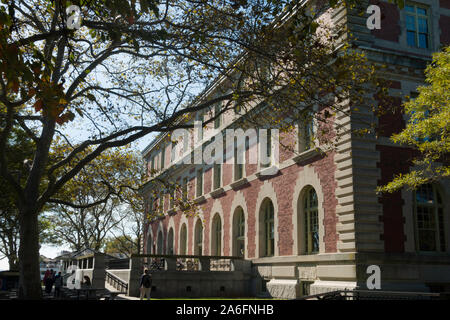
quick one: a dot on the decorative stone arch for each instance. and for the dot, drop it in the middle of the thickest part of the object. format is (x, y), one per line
(160, 238)
(238, 201)
(443, 188)
(170, 226)
(183, 221)
(306, 178)
(198, 219)
(266, 192)
(216, 210)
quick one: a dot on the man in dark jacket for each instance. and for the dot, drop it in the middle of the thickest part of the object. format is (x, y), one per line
(146, 285)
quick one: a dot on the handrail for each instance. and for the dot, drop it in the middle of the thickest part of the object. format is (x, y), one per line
(367, 294)
(116, 280)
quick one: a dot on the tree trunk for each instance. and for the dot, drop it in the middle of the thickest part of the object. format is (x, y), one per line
(30, 279)
(13, 263)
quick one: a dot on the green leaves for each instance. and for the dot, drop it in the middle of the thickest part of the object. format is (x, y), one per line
(428, 127)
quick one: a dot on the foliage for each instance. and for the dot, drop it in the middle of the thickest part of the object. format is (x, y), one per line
(107, 185)
(428, 127)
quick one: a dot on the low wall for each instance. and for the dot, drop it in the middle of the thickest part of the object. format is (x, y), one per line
(197, 284)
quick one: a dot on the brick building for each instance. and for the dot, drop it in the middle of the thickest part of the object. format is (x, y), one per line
(317, 223)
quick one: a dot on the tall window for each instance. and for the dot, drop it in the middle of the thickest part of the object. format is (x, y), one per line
(163, 156)
(170, 242)
(268, 243)
(152, 168)
(199, 182)
(239, 232)
(216, 236)
(268, 143)
(429, 214)
(218, 116)
(417, 26)
(198, 238)
(183, 239)
(238, 163)
(311, 221)
(200, 119)
(306, 133)
(217, 175)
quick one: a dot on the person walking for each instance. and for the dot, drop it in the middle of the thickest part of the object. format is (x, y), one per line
(58, 284)
(49, 282)
(146, 285)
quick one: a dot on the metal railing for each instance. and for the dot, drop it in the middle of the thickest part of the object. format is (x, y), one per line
(161, 262)
(376, 295)
(116, 282)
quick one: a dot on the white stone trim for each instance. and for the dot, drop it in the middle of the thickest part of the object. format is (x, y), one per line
(150, 234)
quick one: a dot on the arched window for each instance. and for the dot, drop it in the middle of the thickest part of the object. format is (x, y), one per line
(267, 227)
(149, 243)
(239, 232)
(429, 217)
(160, 242)
(311, 221)
(170, 242)
(216, 244)
(183, 239)
(198, 238)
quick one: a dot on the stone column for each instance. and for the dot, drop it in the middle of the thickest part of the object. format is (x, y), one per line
(205, 264)
(98, 272)
(134, 277)
(170, 264)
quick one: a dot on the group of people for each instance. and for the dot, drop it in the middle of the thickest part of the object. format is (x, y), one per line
(52, 278)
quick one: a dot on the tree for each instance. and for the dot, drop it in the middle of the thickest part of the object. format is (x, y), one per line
(121, 244)
(428, 128)
(135, 68)
(85, 226)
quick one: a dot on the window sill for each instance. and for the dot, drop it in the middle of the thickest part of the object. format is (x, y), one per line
(199, 199)
(267, 172)
(239, 183)
(307, 155)
(216, 193)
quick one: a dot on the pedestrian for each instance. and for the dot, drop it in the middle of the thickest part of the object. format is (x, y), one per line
(49, 282)
(58, 284)
(46, 275)
(146, 285)
(87, 282)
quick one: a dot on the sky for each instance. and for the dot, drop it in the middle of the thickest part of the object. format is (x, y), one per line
(48, 251)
